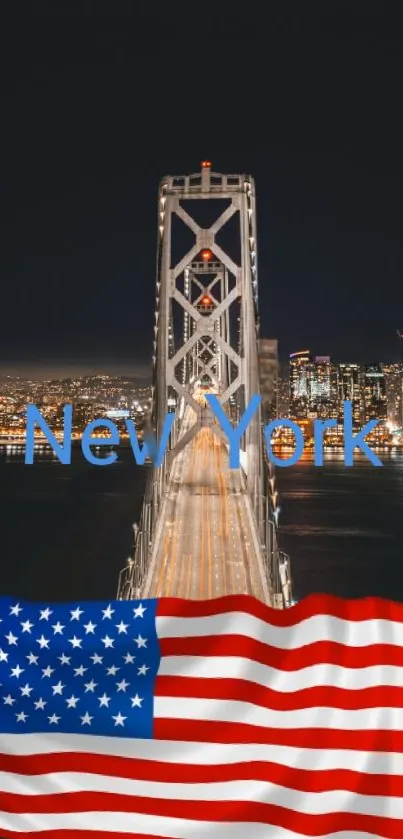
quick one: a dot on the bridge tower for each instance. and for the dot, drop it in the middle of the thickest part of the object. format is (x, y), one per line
(207, 331)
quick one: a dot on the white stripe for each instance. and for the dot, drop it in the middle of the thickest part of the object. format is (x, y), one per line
(258, 792)
(222, 710)
(309, 631)
(170, 828)
(204, 754)
(228, 667)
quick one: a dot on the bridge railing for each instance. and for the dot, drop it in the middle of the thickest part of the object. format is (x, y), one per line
(132, 576)
(278, 563)
(280, 579)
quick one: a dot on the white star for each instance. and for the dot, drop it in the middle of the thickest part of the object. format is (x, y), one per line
(8, 700)
(86, 719)
(142, 670)
(54, 720)
(119, 720)
(40, 704)
(21, 717)
(141, 642)
(43, 642)
(79, 671)
(107, 613)
(16, 671)
(75, 642)
(58, 689)
(96, 659)
(26, 690)
(104, 701)
(122, 685)
(12, 639)
(32, 659)
(3, 655)
(111, 671)
(136, 701)
(139, 611)
(89, 627)
(64, 659)
(47, 671)
(15, 610)
(108, 642)
(75, 614)
(58, 628)
(26, 626)
(128, 658)
(90, 686)
(45, 614)
(72, 702)
(121, 627)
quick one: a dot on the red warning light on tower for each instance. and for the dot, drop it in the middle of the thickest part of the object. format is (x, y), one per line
(206, 164)
(206, 255)
(206, 300)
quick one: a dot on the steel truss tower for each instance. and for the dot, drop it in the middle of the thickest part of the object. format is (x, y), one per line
(207, 327)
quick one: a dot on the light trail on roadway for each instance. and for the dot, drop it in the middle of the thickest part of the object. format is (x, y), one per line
(207, 547)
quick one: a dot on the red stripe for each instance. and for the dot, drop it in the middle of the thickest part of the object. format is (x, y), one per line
(320, 652)
(305, 738)
(241, 690)
(78, 834)
(304, 780)
(366, 608)
(204, 812)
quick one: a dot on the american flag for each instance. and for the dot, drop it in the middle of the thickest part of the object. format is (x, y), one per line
(223, 719)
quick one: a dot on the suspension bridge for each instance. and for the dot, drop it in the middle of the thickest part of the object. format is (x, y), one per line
(207, 530)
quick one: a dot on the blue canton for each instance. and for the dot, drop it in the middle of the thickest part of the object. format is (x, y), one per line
(85, 668)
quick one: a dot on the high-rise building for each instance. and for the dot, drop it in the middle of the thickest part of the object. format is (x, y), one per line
(313, 387)
(349, 390)
(283, 393)
(374, 394)
(299, 394)
(394, 393)
(268, 376)
(319, 387)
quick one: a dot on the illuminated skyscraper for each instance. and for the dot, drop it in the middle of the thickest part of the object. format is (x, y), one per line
(349, 390)
(319, 387)
(313, 387)
(374, 392)
(394, 392)
(299, 394)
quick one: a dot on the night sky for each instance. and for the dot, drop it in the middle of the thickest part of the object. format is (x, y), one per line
(95, 109)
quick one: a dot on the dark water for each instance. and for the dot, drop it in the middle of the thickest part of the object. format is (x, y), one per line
(66, 530)
(343, 527)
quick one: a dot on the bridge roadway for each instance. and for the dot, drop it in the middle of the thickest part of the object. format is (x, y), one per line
(206, 545)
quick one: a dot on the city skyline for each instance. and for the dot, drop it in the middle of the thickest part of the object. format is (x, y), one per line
(310, 387)
(65, 370)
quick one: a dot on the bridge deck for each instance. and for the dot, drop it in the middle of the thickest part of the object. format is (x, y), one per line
(207, 546)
